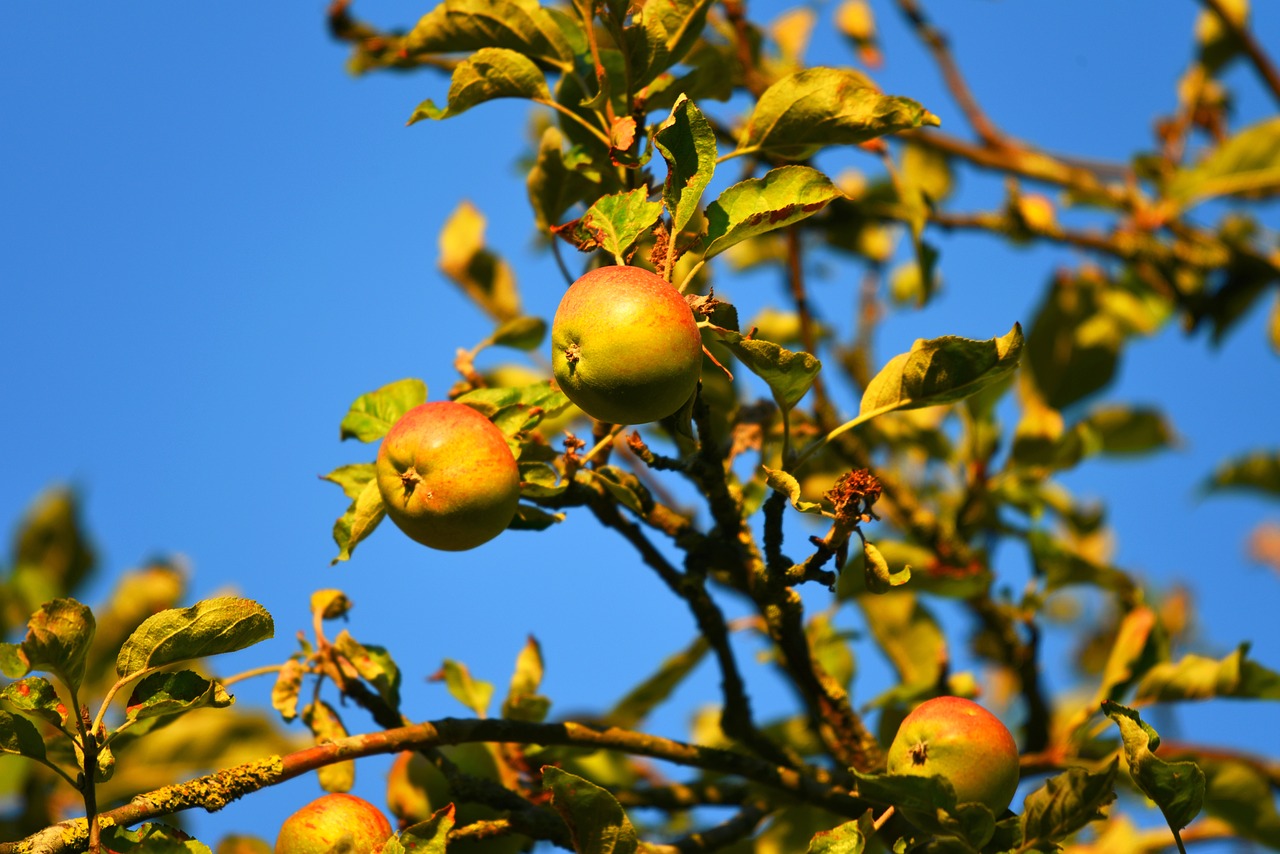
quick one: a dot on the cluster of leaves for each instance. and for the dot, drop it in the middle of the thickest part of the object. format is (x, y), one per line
(622, 90)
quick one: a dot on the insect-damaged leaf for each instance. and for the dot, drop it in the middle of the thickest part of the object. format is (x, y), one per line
(940, 370)
(789, 374)
(1176, 787)
(374, 413)
(781, 197)
(613, 223)
(489, 74)
(57, 641)
(209, 627)
(688, 144)
(817, 107)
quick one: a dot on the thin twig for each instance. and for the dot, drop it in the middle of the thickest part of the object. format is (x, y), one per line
(1261, 62)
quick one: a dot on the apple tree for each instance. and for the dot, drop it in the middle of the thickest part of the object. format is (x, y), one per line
(773, 460)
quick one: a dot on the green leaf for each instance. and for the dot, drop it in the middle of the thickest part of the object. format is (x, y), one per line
(330, 604)
(52, 554)
(35, 696)
(688, 144)
(1258, 471)
(466, 25)
(360, 520)
(373, 414)
(520, 333)
(325, 725)
(879, 578)
(166, 694)
(817, 107)
(755, 206)
(1178, 788)
(490, 73)
(613, 223)
(374, 664)
(430, 836)
(597, 823)
(540, 480)
(1125, 430)
(1196, 677)
(1248, 163)
(634, 708)
(482, 275)
(151, 838)
(788, 374)
(209, 627)
(352, 478)
(790, 487)
(20, 737)
(940, 370)
(58, 638)
(472, 693)
(1065, 804)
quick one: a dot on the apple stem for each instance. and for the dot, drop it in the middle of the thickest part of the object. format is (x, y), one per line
(883, 819)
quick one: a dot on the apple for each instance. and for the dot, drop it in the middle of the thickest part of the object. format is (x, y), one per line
(447, 477)
(963, 742)
(334, 823)
(625, 346)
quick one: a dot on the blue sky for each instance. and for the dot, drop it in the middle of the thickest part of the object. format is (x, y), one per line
(214, 239)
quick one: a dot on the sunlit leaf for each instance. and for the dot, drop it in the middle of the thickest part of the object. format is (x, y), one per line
(1195, 677)
(374, 664)
(287, 687)
(558, 180)
(467, 25)
(151, 838)
(360, 520)
(173, 693)
(523, 701)
(427, 837)
(482, 275)
(879, 578)
(35, 696)
(688, 144)
(847, 838)
(1177, 787)
(520, 333)
(373, 414)
(209, 627)
(941, 370)
(818, 107)
(472, 693)
(1247, 163)
(58, 638)
(790, 487)
(326, 725)
(352, 478)
(788, 374)
(613, 223)
(755, 206)
(488, 74)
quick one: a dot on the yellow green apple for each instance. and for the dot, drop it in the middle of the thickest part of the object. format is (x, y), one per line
(334, 823)
(447, 477)
(625, 346)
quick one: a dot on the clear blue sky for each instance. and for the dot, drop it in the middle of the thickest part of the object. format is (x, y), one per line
(214, 239)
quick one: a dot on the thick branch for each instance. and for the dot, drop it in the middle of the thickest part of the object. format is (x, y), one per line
(214, 791)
